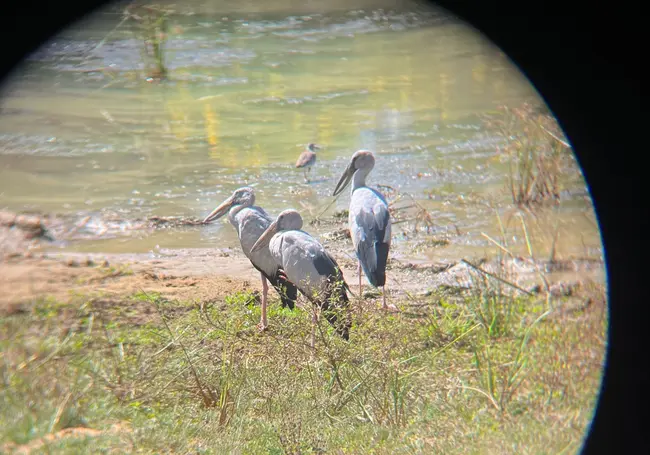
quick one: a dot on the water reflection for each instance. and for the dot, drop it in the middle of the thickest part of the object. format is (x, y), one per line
(247, 91)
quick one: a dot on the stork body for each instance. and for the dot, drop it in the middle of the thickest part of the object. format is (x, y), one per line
(313, 270)
(307, 159)
(250, 222)
(369, 221)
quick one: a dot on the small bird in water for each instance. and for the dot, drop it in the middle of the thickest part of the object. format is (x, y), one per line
(307, 159)
(369, 220)
(250, 222)
(310, 267)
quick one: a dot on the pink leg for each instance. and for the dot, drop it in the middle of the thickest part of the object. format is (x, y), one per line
(314, 321)
(359, 271)
(265, 290)
(385, 306)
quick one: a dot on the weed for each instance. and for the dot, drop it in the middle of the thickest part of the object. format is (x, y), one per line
(152, 23)
(204, 379)
(535, 152)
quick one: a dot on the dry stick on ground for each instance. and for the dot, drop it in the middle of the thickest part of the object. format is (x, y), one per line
(530, 252)
(208, 400)
(238, 335)
(161, 350)
(328, 206)
(59, 412)
(491, 275)
(532, 258)
(54, 352)
(564, 143)
(554, 244)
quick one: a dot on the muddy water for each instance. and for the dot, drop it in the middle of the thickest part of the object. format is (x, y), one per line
(83, 133)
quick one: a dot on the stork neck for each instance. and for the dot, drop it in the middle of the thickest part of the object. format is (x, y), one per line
(359, 178)
(232, 214)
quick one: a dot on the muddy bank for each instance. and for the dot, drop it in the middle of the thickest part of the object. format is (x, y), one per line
(28, 270)
(206, 275)
(32, 230)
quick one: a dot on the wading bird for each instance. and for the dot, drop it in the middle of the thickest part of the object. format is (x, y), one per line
(314, 271)
(307, 159)
(250, 222)
(369, 221)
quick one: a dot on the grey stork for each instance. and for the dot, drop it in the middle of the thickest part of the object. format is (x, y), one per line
(313, 270)
(250, 222)
(369, 221)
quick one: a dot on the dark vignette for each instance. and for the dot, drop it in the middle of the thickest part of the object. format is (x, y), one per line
(585, 59)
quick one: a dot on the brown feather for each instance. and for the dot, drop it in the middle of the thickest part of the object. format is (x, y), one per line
(306, 158)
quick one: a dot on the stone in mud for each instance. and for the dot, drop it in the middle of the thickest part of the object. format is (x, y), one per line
(339, 234)
(564, 289)
(7, 219)
(31, 225)
(371, 294)
(72, 263)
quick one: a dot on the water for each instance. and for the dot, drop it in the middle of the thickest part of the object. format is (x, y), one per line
(82, 132)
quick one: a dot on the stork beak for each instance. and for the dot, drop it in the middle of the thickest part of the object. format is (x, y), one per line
(219, 211)
(345, 179)
(266, 237)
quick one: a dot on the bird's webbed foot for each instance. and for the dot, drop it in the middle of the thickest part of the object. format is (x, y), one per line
(390, 308)
(261, 327)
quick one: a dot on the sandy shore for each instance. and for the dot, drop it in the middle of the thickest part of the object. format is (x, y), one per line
(28, 273)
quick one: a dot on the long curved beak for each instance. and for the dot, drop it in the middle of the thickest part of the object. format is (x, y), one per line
(219, 211)
(344, 180)
(266, 237)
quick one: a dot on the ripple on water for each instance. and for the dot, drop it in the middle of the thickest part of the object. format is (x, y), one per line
(36, 145)
(141, 159)
(125, 55)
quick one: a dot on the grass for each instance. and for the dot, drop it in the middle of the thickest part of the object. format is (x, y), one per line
(482, 371)
(536, 153)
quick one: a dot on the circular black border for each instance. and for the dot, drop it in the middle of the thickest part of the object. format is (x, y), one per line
(585, 59)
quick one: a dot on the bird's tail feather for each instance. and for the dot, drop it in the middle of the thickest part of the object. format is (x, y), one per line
(286, 289)
(375, 269)
(336, 305)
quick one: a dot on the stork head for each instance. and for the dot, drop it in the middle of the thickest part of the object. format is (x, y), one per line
(312, 147)
(288, 220)
(361, 160)
(243, 196)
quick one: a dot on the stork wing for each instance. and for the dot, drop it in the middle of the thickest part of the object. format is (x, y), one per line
(372, 232)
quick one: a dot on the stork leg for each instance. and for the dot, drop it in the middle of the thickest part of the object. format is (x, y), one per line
(314, 321)
(359, 271)
(305, 174)
(265, 291)
(385, 306)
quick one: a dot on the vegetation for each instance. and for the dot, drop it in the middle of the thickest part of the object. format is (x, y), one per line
(486, 370)
(535, 152)
(151, 25)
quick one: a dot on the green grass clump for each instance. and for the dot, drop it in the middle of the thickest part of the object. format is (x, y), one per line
(537, 154)
(201, 378)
